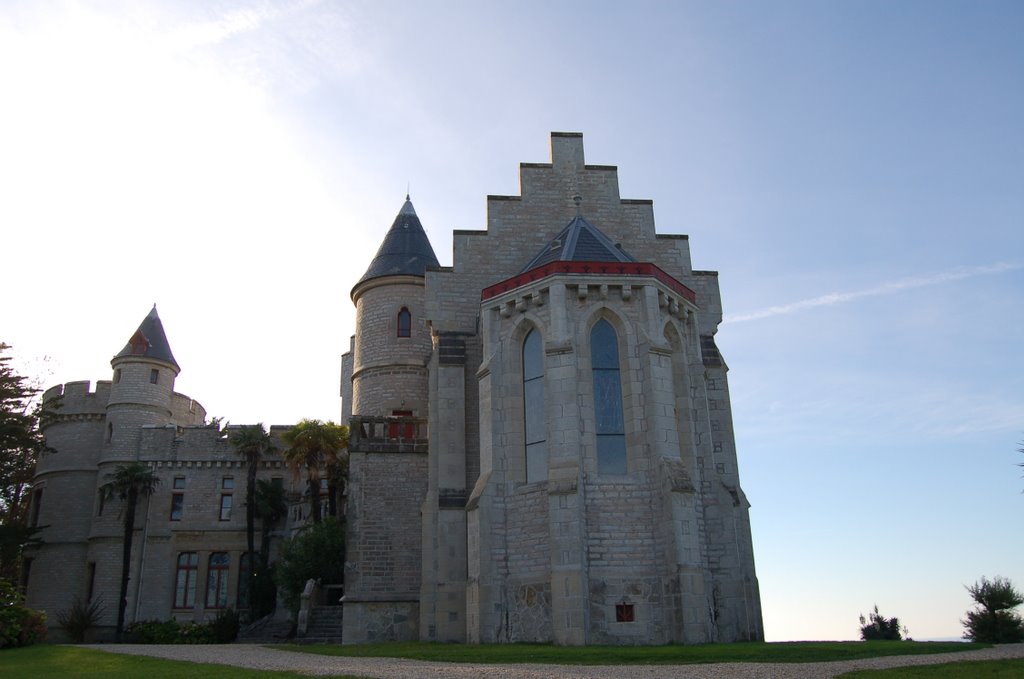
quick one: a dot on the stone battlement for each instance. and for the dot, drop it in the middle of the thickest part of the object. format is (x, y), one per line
(78, 397)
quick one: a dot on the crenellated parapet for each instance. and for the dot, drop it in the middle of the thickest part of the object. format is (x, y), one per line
(78, 398)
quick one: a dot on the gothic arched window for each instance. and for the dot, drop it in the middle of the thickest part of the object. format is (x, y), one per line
(535, 427)
(611, 433)
(404, 323)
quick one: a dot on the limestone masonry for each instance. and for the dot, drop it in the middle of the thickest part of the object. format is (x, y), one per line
(541, 443)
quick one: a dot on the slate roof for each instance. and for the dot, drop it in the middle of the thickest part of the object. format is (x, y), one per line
(579, 241)
(406, 250)
(150, 341)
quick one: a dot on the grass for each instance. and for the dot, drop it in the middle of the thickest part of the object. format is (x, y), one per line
(982, 669)
(45, 661)
(787, 652)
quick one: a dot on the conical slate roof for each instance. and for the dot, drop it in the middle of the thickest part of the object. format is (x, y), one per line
(406, 251)
(579, 241)
(150, 341)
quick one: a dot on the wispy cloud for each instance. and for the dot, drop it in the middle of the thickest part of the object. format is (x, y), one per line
(889, 288)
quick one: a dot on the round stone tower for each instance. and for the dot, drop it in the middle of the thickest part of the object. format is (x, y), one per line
(141, 390)
(392, 342)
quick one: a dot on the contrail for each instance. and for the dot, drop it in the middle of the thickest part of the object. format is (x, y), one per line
(883, 289)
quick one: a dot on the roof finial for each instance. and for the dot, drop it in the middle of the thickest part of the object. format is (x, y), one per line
(578, 200)
(407, 190)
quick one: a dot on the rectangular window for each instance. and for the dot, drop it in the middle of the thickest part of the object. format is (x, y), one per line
(179, 483)
(154, 376)
(400, 431)
(225, 507)
(217, 580)
(624, 613)
(37, 501)
(91, 575)
(227, 483)
(177, 506)
(117, 375)
(185, 580)
(277, 482)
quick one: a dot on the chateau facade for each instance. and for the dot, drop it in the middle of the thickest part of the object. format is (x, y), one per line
(541, 443)
(541, 435)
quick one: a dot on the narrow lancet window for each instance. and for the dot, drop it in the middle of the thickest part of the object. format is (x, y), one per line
(404, 323)
(611, 434)
(533, 407)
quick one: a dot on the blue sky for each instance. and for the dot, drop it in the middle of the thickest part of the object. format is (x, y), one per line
(855, 171)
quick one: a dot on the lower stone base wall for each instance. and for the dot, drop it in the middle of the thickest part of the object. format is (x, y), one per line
(376, 621)
(530, 613)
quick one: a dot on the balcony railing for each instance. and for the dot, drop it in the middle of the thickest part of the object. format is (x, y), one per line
(388, 435)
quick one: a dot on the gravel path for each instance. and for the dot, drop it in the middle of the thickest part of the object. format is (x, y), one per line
(260, 657)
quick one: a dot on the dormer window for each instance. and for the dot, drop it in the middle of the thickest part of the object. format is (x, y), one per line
(404, 323)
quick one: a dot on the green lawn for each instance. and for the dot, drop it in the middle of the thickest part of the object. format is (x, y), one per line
(61, 662)
(788, 652)
(985, 669)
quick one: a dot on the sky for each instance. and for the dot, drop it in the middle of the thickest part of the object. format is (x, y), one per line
(854, 170)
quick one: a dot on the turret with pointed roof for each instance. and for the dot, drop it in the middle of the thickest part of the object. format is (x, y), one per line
(150, 341)
(406, 250)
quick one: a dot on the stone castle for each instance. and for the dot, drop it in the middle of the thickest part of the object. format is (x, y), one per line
(541, 444)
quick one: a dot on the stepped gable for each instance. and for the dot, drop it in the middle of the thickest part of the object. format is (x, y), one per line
(579, 241)
(406, 250)
(150, 341)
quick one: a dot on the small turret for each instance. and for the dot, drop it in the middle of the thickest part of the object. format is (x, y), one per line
(141, 389)
(393, 344)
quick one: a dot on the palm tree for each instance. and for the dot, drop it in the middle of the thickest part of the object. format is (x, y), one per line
(128, 482)
(251, 442)
(315, 447)
(271, 508)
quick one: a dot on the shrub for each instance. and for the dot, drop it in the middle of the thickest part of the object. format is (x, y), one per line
(80, 618)
(19, 625)
(879, 628)
(153, 632)
(225, 626)
(994, 621)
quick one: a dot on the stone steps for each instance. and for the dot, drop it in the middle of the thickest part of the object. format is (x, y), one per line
(325, 626)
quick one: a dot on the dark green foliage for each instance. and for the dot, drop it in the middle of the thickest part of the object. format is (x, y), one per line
(21, 443)
(318, 553)
(80, 618)
(225, 626)
(994, 621)
(221, 630)
(19, 625)
(878, 628)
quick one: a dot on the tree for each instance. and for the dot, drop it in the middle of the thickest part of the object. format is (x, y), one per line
(21, 442)
(271, 508)
(316, 447)
(879, 628)
(994, 621)
(128, 483)
(317, 552)
(251, 442)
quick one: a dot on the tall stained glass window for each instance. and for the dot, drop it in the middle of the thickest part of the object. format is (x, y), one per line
(611, 432)
(533, 407)
(217, 580)
(185, 580)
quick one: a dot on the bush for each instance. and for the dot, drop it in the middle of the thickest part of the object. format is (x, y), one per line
(225, 626)
(19, 625)
(879, 628)
(318, 552)
(221, 630)
(153, 632)
(80, 618)
(994, 621)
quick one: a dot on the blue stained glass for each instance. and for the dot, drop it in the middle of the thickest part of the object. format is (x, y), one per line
(533, 408)
(608, 415)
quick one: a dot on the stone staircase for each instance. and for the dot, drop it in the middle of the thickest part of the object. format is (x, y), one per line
(266, 631)
(324, 626)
